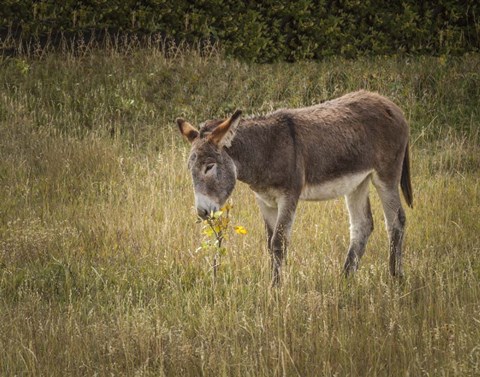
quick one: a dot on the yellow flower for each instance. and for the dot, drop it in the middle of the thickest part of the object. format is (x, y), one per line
(240, 229)
(226, 207)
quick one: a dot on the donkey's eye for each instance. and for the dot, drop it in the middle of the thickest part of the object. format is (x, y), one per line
(209, 167)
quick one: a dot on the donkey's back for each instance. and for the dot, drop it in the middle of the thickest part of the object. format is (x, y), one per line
(357, 133)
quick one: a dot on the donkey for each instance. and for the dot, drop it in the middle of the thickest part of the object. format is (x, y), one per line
(313, 153)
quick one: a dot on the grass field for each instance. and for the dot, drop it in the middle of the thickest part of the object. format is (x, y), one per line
(99, 273)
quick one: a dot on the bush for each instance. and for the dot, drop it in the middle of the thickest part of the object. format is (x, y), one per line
(265, 31)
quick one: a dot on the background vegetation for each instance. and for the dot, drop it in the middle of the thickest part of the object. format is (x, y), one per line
(99, 268)
(262, 31)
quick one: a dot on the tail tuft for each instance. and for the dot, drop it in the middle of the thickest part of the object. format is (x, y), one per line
(405, 182)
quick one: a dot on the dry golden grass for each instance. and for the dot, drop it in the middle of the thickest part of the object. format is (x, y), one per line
(98, 269)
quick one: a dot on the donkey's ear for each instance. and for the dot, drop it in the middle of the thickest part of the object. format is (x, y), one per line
(187, 130)
(224, 133)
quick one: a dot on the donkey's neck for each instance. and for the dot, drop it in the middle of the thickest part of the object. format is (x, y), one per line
(252, 151)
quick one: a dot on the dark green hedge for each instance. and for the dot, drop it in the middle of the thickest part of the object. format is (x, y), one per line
(267, 30)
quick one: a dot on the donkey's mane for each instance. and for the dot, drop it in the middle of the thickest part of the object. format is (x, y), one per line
(207, 127)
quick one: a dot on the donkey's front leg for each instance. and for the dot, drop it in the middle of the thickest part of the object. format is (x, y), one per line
(270, 214)
(287, 206)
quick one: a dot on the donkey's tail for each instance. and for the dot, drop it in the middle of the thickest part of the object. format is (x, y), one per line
(405, 182)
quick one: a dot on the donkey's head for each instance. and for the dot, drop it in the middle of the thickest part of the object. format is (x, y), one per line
(213, 171)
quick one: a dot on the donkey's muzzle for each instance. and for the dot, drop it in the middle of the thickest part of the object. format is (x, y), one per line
(205, 205)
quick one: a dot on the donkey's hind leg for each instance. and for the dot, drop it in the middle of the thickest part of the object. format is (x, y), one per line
(395, 222)
(361, 224)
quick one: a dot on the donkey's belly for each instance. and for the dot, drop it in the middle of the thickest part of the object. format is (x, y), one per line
(336, 187)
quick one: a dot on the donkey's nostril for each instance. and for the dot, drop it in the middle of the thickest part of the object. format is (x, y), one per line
(203, 213)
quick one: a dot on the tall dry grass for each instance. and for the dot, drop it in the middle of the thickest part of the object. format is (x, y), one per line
(99, 273)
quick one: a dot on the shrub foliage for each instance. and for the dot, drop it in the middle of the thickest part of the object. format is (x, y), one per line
(268, 30)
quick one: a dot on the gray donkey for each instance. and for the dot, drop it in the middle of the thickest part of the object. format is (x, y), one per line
(312, 153)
